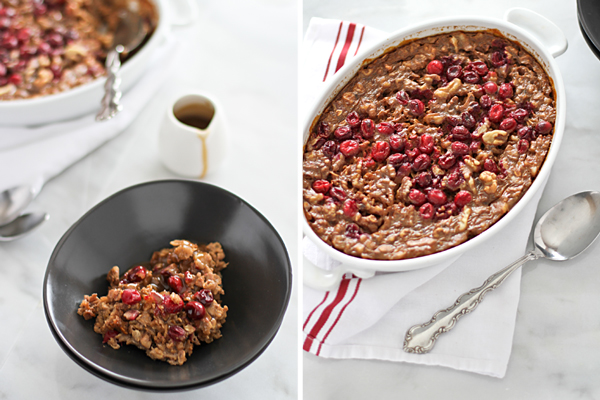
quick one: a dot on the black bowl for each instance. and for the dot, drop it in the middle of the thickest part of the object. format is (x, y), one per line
(124, 230)
(588, 15)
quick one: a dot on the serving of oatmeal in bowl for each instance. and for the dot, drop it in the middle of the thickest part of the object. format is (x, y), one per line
(428, 144)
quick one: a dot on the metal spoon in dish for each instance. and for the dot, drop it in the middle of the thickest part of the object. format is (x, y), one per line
(129, 34)
(16, 199)
(21, 226)
(562, 233)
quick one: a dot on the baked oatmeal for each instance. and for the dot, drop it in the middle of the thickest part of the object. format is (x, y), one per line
(166, 306)
(427, 145)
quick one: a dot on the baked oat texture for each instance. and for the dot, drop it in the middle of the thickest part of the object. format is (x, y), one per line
(177, 304)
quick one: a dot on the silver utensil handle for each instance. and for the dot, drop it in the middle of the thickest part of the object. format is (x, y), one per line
(110, 104)
(420, 339)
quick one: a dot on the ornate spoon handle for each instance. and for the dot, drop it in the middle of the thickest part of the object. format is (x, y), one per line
(421, 338)
(112, 92)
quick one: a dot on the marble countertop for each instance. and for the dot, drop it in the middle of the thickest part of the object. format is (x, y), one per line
(245, 54)
(556, 348)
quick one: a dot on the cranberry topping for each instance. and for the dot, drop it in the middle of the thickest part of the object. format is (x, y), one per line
(396, 159)
(323, 129)
(453, 72)
(490, 165)
(417, 197)
(349, 148)
(343, 132)
(194, 310)
(353, 119)
(426, 143)
(321, 186)
(204, 296)
(170, 306)
(424, 179)
(455, 179)
(505, 91)
(137, 274)
(468, 120)
(459, 148)
(470, 77)
(498, 59)
(490, 87)
(330, 148)
(508, 124)
(367, 128)
(426, 211)
(437, 197)
(460, 133)
(177, 333)
(353, 231)
(523, 146)
(520, 114)
(130, 296)
(380, 151)
(447, 160)
(175, 283)
(131, 315)
(479, 67)
(338, 194)
(385, 127)
(422, 162)
(526, 132)
(416, 107)
(462, 198)
(543, 127)
(402, 97)
(108, 335)
(435, 67)
(485, 101)
(350, 208)
(397, 142)
(496, 113)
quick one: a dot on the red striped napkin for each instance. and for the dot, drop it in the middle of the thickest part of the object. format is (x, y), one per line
(368, 318)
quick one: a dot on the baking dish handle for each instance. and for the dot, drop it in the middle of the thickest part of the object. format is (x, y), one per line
(320, 279)
(540, 27)
(183, 12)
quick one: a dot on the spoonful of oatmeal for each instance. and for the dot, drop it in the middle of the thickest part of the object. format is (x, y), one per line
(563, 232)
(129, 34)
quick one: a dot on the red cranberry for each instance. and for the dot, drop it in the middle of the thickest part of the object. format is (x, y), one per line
(137, 274)
(343, 132)
(460, 133)
(475, 146)
(508, 124)
(523, 146)
(177, 333)
(350, 208)
(353, 119)
(402, 97)
(188, 277)
(108, 335)
(397, 142)
(437, 197)
(426, 143)
(385, 127)
(496, 113)
(520, 114)
(460, 149)
(426, 211)
(403, 170)
(490, 165)
(194, 310)
(23, 35)
(453, 120)
(3, 70)
(485, 101)
(396, 159)
(416, 107)
(323, 129)
(462, 198)
(424, 179)
(39, 9)
(352, 231)
(455, 179)
(468, 120)
(380, 151)
(412, 154)
(453, 72)
(505, 91)
(447, 160)
(470, 77)
(543, 127)
(446, 211)
(175, 283)
(321, 186)
(349, 148)
(525, 132)
(422, 162)
(204, 296)
(490, 87)
(435, 67)
(498, 59)
(367, 128)
(131, 315)
(479, 67)
(10, 42)
(337, 193)
(172, 307)
(130, 296)
(330, 148)
(417, 197)
(55, 40)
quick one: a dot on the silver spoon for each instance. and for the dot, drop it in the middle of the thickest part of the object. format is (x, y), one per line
(14, 200)
(562, 233)
(21, 226)
(129, 34)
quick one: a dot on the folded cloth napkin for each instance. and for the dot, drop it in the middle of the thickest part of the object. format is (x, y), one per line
(368, 318)
(30, 155)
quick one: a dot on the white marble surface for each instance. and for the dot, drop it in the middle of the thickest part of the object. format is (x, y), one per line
(245, 53)
(556, 349)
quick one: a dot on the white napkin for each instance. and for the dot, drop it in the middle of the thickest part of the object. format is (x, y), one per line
(368, 318)
(31, 155)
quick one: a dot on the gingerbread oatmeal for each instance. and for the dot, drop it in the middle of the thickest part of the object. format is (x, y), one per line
(164, 307)
(49, 46)
(427, 146)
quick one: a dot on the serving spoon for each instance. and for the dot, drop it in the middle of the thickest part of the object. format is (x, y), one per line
(129, 34)
(21, 226)
(563, 232)
(14, 200)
